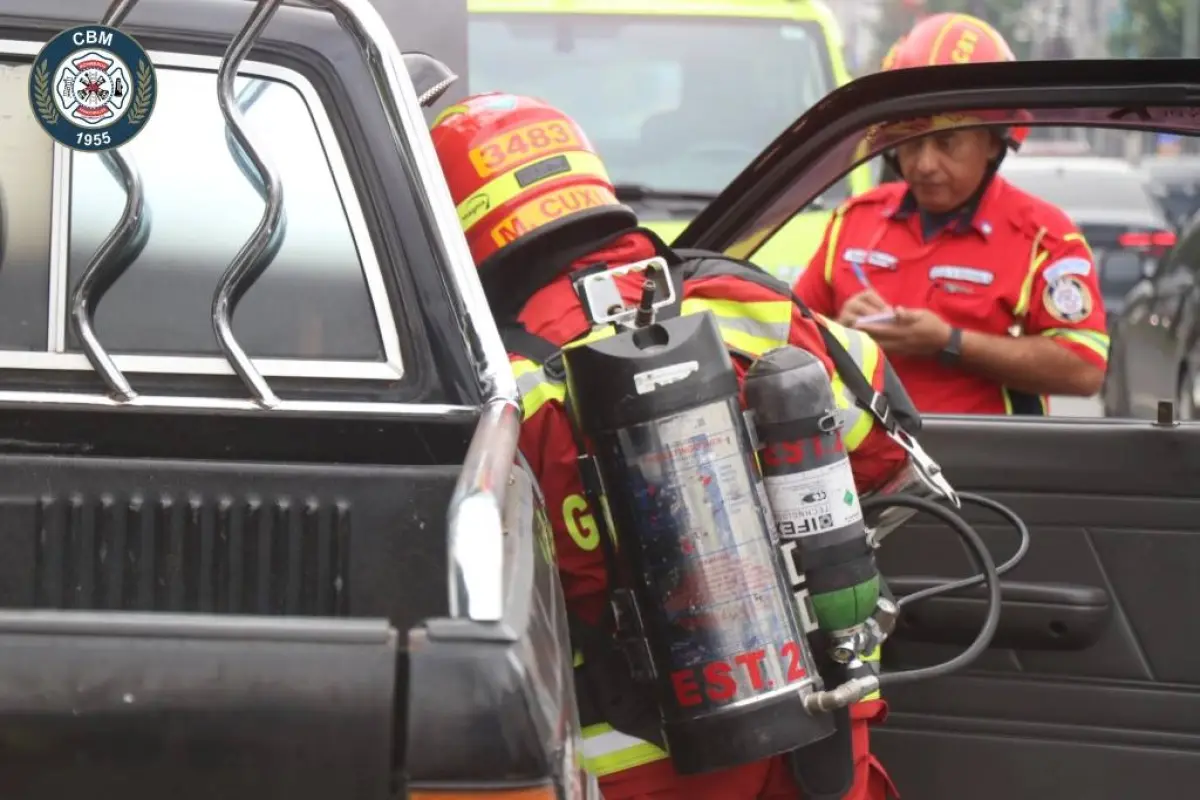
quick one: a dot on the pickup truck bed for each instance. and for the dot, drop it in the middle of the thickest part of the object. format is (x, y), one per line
(104, 517)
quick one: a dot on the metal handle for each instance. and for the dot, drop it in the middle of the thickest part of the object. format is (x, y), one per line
(119, 249)
(256, 254)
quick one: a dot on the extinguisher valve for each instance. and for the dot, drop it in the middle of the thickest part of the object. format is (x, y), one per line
(849, 692)
(644, 317)
(883, 621)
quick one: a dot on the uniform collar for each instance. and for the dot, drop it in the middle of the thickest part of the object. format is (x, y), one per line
(975, 215)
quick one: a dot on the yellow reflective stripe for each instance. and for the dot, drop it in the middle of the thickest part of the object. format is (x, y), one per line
(534, 388)
(751, 328)
(577, 661)
(1078, 237)
(1008, 406)
(504, 188)
(835, 230)
(1095, 341)
(1022, 306)
(606, 751)
(865, 352)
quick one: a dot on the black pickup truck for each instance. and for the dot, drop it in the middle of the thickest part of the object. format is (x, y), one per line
(298, 558)
(264, 532)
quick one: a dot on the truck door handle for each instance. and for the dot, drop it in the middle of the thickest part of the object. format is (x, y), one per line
(1035, 616)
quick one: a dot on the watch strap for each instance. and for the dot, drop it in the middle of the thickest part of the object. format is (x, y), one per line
(952, 352)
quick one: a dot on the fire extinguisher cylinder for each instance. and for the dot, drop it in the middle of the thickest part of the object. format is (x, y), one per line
(811, 490)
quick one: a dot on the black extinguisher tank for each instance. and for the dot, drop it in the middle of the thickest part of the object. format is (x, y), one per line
(696, 542)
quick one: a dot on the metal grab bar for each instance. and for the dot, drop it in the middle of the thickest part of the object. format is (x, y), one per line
(255, 256)
(254, 89)
(114, 255)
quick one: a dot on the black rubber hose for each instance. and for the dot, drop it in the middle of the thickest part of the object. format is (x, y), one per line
(978, 578)
(987, 566)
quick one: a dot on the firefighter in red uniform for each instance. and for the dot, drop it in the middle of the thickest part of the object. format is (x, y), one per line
(985, 298)
(537, 206)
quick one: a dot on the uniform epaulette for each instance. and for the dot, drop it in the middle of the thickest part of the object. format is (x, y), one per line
(1038, 217)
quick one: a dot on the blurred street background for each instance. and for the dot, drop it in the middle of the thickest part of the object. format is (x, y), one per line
(644, 79)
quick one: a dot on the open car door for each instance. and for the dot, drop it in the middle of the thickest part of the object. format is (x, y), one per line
(1092, 686)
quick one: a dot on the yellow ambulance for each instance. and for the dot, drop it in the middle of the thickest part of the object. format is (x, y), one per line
(678, 96)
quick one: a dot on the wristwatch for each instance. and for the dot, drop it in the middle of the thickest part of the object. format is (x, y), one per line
(953, 349)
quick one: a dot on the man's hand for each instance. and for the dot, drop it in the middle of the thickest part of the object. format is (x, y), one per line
(864, 303)
(913, 332)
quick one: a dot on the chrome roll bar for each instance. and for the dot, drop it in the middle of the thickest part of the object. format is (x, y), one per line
(475, 535)
(114, 255)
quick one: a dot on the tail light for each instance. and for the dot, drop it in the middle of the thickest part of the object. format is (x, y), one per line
(1155, 243)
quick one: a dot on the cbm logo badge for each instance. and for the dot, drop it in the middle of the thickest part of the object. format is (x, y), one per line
(92, 88)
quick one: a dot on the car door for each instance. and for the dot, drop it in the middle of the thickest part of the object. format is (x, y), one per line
(1091, 688)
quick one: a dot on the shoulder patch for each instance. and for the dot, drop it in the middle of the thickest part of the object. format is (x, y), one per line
(1073, 265)
(1068, 299)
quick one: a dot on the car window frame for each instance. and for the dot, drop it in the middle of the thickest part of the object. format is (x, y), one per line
(55, 358)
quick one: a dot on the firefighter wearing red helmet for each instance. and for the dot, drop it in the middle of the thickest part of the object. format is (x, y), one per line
(538, 209)
(985, 298)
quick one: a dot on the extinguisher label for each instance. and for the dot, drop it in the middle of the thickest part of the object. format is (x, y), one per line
(723, 614)
(814, 501)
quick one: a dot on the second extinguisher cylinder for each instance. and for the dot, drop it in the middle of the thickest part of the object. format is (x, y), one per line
(810, 486)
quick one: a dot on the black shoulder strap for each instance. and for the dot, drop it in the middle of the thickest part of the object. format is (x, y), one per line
(543, 352)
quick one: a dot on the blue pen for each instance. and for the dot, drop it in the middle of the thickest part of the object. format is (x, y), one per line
(861, 274)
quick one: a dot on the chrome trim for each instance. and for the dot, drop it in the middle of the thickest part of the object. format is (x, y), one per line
(390, 369)
(476, 516)
(476, 508)
(60, 249)
(440, 412)
(256, 254)
(204, 365)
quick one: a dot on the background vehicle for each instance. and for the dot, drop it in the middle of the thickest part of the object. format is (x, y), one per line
(1111, 203)
(1158, 353)
(1175, 182)
(677, 95)
(310, 572)
(1091, 688)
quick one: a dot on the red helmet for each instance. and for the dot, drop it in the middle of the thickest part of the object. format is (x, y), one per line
(516, 165)
(956, 39)
(889, 59)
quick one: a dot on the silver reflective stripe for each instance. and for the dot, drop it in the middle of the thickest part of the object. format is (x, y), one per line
(528, 381)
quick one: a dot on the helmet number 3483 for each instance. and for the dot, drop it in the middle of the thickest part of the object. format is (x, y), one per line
(92, 88)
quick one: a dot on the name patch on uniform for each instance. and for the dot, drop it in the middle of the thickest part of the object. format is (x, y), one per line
(965, 274)
(1068, 299)
(1067, 266)
(876, 258)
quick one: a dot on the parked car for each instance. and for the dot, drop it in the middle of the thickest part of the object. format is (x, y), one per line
(1175, 183)
(1157, 356)
(1112, 204)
